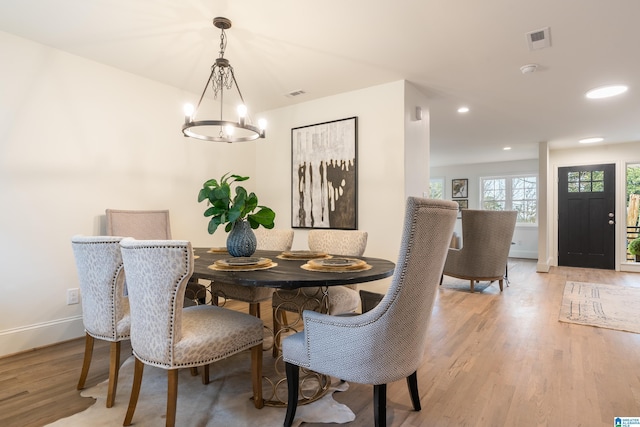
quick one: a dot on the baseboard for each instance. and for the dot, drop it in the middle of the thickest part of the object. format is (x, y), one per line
(514, 253)
(25, 338)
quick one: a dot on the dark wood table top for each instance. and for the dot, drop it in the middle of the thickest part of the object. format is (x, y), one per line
(288, 274)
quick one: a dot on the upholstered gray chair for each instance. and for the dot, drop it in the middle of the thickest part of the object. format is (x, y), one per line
(105, 307)
(342, 299)
(388, 342)
(269, 240)
(486, 241)
(150, 225)
(165, 335)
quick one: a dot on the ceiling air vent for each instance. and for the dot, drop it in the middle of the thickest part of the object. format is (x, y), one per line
(295, 93)
(539, 39)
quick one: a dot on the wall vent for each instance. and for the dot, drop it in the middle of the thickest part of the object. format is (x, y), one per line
(295, 93)
(539, 39)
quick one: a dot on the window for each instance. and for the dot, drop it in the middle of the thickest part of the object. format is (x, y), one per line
(436, 188)
(519, 193)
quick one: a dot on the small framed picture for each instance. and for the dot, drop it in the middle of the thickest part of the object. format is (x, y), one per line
(463, 204)
(459, 188)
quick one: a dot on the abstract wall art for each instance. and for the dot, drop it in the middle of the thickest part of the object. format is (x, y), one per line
(324, 175)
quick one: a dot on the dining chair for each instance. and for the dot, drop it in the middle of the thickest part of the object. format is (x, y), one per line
(149, 225)
(168, 336)
(269, 240)
(388, 342)
(342, 299)
(486, 241)
(105, 307)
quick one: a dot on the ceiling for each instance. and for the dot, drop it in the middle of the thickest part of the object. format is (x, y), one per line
(457, 52)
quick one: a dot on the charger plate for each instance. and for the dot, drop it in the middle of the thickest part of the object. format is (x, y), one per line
(243, 264)
(221, 250)
(303, 255)
(336, 265)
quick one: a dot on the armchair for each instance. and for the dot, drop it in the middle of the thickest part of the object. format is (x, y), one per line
(486, 240)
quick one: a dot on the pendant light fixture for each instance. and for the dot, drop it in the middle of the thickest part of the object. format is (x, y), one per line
(221, 79)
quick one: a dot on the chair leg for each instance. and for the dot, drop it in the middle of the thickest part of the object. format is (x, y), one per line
(194, 371)
(254, 309)
(293, 376)
(88, 353)
(473, 283)
(441, 277)
(256, 375)
(501, 282)
(276, 336)
(380, 405)
(172, 397)
(205, 374)
(412, 382)
(138, 370)
(114, 368)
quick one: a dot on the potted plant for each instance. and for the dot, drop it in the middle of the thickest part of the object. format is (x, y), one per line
(634, 248)
(236, 211)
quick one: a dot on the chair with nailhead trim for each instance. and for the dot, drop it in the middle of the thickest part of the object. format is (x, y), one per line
(105, 307)
(169, 336)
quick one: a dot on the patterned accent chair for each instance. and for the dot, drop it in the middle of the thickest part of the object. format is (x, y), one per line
(388, 342)
(486, 241)
(150, 225)
(342, 299)
(269, 240)
(105, 307)
(166, 335)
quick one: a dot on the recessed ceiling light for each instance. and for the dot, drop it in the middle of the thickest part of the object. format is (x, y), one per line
(507, 148)
(463, 110)
(591, 140)
(606, 91)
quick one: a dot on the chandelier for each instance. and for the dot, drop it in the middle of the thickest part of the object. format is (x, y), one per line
(222, 78)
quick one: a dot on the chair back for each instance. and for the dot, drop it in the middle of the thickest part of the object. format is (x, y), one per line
(403, 314)
(338, 242)
(157, 274)
(274, 239)
(386, 343)
(486, 241)
(105, 308)
(141, 224)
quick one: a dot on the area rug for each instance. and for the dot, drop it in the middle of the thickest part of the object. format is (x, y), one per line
(601, 305)
(225, 401)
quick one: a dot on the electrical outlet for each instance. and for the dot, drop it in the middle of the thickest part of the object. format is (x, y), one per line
(73, 296)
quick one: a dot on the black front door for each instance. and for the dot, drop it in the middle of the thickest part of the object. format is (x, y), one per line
(586, 216)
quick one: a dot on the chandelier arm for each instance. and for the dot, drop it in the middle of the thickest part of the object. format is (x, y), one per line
(203, 92)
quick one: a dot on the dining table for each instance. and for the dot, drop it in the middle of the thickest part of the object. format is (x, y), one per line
(277, 270)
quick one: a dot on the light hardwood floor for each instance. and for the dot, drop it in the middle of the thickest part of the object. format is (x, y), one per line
(493, 359)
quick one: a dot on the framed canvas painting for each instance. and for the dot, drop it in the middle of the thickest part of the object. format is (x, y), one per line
(459, 188)
(324, 175)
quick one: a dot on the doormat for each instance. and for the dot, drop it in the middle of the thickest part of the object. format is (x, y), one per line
(601, 305)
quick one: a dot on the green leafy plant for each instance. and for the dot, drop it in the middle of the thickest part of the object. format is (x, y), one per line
(223, 209)
(634, 246)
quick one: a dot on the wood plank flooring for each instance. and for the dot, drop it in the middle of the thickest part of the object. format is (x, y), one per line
(494, 359)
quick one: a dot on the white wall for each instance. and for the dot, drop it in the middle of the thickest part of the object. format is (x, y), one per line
(618, 154)
(380, 151)
(77, 137)
(524, 236)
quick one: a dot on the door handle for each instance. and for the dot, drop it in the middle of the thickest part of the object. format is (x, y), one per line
(611, 222)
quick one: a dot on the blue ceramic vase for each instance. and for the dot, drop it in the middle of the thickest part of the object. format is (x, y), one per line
(241, 240)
